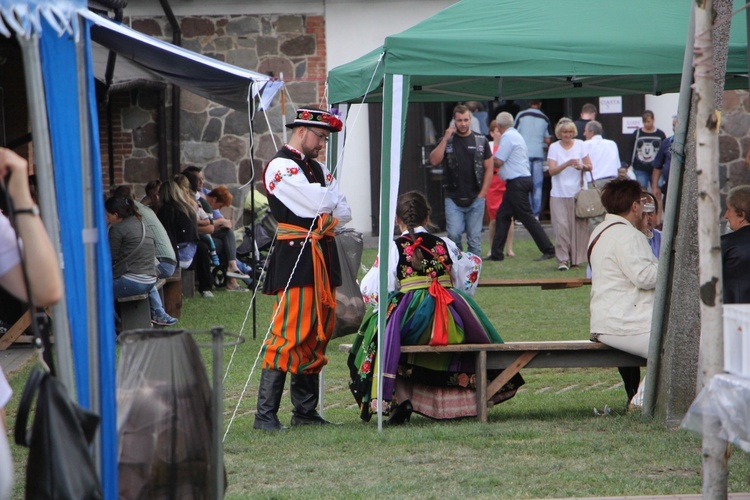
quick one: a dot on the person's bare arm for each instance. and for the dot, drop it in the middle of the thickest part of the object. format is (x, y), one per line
(42, 266)
(489, 170)
(437, 154)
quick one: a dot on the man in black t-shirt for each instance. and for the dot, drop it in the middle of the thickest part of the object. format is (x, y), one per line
(467, 173)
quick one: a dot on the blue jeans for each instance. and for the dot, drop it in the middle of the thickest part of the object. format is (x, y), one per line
(165, 269)
(643, 177)
(537, 174)
(468, 219)
(123, 287)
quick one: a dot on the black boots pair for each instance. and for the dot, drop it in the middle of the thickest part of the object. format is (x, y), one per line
(304, 392)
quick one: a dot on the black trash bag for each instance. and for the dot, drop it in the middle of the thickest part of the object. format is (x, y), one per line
(60, 465)
(163, 417)
(350, 306)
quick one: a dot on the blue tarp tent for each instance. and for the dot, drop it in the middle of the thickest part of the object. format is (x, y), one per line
(55, 38)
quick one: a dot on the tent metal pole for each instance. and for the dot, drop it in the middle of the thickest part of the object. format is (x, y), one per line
(47, 197)
(671, 217)
(176, 40)
(89, 240)
(217, 407)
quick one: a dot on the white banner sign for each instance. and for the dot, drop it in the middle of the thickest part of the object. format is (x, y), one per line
(631, 123)
(610, 105)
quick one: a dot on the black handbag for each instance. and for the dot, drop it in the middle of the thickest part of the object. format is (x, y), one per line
(60, 465)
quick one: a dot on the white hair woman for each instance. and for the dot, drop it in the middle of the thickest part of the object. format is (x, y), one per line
(568, 162)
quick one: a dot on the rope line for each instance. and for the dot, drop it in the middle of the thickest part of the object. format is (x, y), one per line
(296, 263)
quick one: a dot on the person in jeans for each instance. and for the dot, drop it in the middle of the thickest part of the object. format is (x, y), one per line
(467, 174)
(512, 158)
(536, 130)
(644, 144)
(133, 252)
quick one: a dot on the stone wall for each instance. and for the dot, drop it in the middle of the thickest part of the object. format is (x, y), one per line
(212, 136)
(734, 139)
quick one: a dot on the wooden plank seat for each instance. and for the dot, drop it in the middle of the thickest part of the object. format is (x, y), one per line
(135, 312)
(172, 294)
(511, 357)
(188, 283)
(545, 283)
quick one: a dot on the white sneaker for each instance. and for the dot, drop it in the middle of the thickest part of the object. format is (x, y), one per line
(208, 294)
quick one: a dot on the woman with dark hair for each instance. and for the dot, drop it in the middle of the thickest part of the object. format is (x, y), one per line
(177, 215)
(429, 290)
(623, 276)
(133, 256)
(644, 144)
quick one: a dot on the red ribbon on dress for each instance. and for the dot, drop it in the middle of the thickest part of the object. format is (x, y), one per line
(440, 326)
(413, 246)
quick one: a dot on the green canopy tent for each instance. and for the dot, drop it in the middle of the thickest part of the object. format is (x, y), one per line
(506, 49)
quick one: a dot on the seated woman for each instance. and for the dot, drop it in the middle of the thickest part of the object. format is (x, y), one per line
(133, 255)
(429, 303)
(623, 278)
(177, 215)
(223, 236)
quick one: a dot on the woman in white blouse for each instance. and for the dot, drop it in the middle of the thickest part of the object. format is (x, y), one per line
(568, 162)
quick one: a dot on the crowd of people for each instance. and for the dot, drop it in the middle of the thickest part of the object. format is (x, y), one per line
(179, 224)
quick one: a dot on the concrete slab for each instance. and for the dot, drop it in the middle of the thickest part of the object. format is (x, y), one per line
(16, 357)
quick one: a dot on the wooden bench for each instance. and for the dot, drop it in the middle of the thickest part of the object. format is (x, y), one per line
(135, 312)
(188, 283)
(545, 283)
(14, 334)
(172, 294)
(511, 357)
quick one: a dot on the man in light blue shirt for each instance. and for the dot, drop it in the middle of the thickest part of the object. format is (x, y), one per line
(512, 158)
(536, 130)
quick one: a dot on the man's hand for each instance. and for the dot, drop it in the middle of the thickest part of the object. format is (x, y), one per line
(449, 132)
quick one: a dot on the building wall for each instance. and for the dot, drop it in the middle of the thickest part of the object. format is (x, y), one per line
(734, 140)
(213, 136)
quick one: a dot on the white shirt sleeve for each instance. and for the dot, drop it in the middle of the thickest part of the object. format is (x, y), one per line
(465, 269)
(285, 180)
(370, 284)
(9, 257)
(637, 261)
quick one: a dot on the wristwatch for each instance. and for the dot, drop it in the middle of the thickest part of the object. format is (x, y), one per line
(33, 211)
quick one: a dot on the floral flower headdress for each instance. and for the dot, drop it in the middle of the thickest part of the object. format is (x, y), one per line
(314, 117)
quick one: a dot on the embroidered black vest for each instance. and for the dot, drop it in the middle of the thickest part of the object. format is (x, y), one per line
(284, 253)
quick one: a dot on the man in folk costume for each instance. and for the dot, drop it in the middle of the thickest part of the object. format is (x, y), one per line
(303, 270)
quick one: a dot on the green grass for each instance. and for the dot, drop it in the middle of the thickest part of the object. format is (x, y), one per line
(546, 442)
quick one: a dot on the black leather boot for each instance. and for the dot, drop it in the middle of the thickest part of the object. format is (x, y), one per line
(304, 390)
(269, 398)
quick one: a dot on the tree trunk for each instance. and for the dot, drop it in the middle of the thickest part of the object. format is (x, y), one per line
(715, 456)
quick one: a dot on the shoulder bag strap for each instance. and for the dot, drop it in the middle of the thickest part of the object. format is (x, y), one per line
(140, 243)
(635, 145)
(24, 407)
(591, 247)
